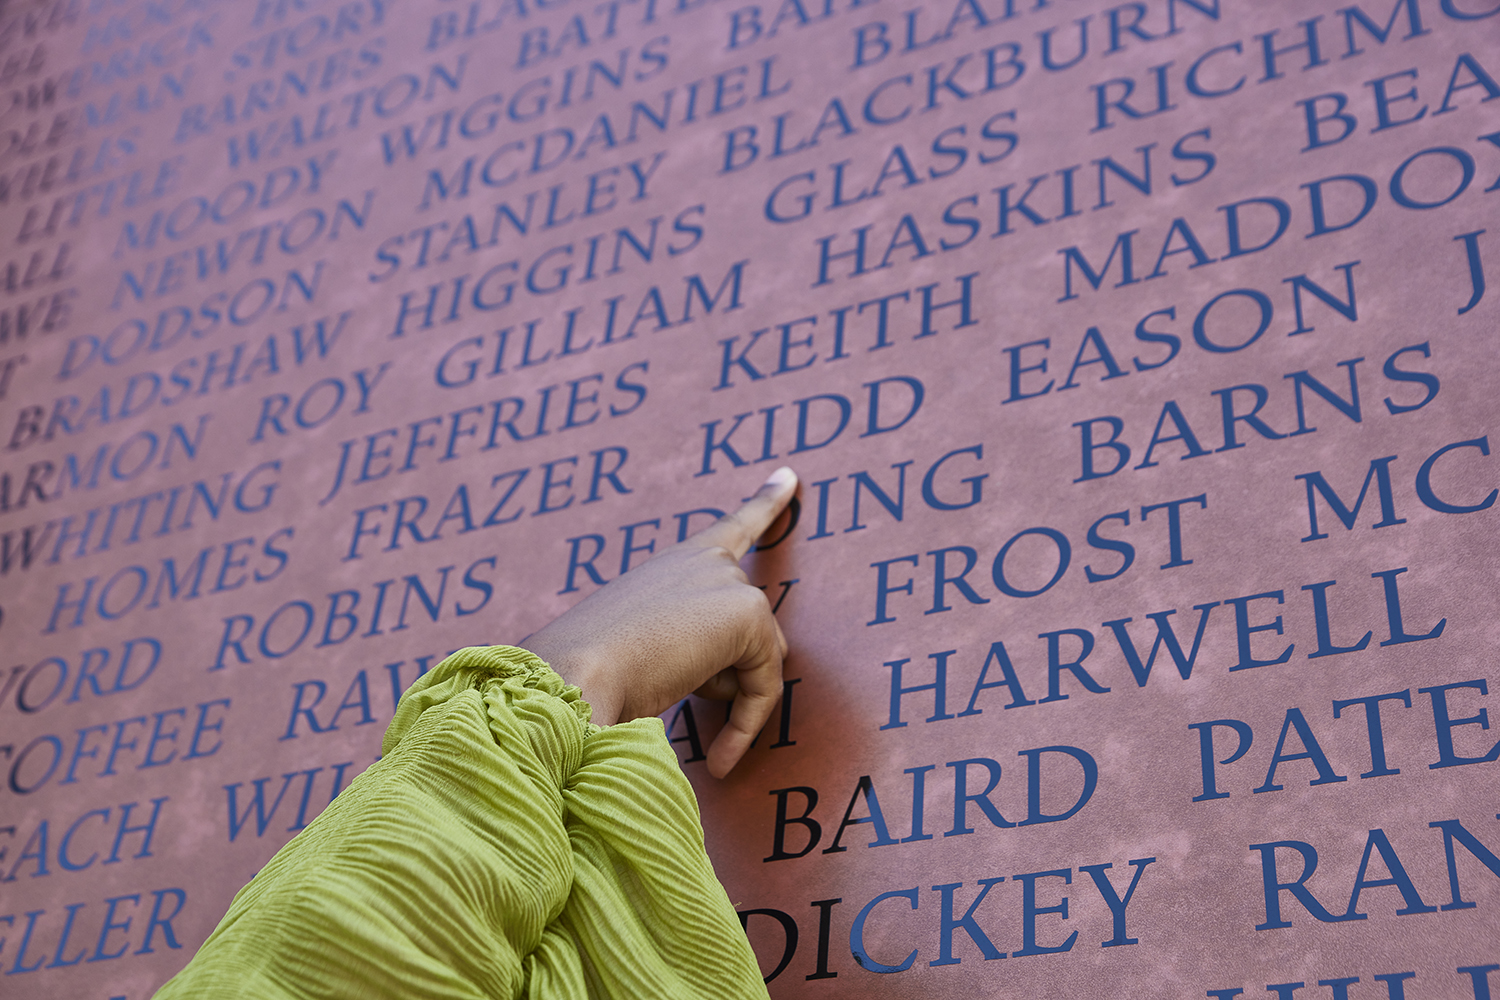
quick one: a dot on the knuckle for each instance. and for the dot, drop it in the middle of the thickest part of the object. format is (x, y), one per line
(748, 600)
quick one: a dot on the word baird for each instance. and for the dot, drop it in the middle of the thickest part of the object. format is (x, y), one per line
(963, 796)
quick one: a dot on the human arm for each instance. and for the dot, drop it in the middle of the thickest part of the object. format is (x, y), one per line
(504, 844)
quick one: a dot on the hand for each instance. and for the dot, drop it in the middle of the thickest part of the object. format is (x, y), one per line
(685, 619)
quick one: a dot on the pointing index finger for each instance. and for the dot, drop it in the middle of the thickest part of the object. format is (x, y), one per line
(737, 531)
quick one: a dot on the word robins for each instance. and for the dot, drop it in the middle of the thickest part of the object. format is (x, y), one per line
(1077, 783)
(289, 626)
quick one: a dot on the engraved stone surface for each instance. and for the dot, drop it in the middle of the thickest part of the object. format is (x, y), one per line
(1141, 588)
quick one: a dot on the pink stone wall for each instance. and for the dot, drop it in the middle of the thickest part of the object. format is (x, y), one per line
(337, 336)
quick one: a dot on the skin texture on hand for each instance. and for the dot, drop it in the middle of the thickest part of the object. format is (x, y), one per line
(686, 619)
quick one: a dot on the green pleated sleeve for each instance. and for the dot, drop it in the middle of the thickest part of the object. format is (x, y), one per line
(502, 847)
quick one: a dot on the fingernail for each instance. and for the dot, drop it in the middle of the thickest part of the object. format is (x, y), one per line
(781, 477)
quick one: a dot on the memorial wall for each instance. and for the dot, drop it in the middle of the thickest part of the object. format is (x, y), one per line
(1141, 587)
